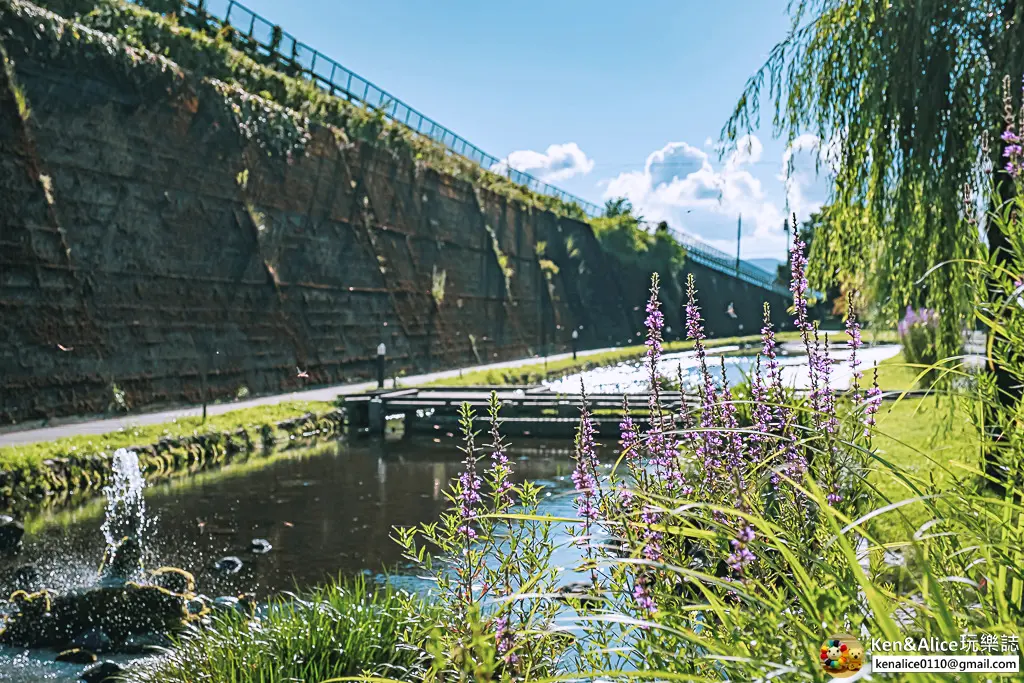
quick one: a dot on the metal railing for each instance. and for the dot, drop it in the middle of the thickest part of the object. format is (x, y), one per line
(704, 253)
(295, 57)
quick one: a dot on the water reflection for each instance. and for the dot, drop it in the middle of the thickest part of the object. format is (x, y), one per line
(325, 515)
(631, 377)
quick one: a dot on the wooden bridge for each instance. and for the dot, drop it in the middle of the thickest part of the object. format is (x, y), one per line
(525, 410)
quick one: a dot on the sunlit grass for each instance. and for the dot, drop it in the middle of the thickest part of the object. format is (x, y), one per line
(343, 629)
(138, 435)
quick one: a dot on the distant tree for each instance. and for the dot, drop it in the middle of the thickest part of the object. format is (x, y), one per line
(620, 206)
(623, 235)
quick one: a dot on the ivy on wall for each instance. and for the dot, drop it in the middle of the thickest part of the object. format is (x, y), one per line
(218, 57)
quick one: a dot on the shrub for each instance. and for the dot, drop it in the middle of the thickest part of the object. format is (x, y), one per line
(918, 332)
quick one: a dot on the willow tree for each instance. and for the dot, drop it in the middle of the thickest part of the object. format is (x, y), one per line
(908, 97)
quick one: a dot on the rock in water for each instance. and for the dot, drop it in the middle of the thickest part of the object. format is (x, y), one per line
(76, 656)
(11, 533)
(146, 643)
(228, 565)
(27, 578)
(122, 562)
(104, 672)
(94, 640)
(261, 546)
(47, 620)
(174, 579)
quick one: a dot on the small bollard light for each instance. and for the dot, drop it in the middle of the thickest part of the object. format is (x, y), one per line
(381, 353)
(575, 342)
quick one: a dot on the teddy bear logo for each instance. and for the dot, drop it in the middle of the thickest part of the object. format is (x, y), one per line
(842, 656)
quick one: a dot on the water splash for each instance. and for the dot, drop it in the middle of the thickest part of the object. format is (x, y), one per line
(126, 506)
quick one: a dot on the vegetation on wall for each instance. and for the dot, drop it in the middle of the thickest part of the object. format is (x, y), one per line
(225, 56)
(621, 234)
(158, 49)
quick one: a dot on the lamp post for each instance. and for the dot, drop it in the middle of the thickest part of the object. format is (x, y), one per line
(381, 353)
(575, 342)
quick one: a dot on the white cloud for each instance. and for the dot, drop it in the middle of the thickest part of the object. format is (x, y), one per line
(694, 192)
(681, 184)
(559, 162)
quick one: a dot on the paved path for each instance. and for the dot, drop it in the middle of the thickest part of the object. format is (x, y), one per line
(71, 427)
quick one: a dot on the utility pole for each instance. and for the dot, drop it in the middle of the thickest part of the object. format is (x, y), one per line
(739, 232)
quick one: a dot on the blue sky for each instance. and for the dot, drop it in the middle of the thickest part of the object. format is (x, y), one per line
(600, 98)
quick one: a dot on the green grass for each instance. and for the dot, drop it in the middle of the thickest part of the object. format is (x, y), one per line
(928, 442)
(33, 454)
(339, 630)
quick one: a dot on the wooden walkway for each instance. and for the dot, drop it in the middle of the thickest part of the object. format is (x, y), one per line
(525, 411)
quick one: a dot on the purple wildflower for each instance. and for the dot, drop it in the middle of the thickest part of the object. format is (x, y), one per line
(762, 412)
(914, 317)
(469, 495)
(500, 472)
(834, 497)
(642, 594)
(741, 555)
(798, 283)
(504, 640)
(660, 442)
(709, 444)
(822, 396)
(585, 474)
(629, 438)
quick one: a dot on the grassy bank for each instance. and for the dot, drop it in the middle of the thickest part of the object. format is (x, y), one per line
(32, 473)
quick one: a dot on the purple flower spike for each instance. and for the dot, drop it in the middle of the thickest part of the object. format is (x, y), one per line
(741, 555)
(585, 474)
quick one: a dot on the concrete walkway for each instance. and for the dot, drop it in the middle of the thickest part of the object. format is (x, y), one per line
(71, 427)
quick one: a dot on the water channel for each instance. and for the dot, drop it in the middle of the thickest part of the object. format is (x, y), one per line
(328, 510)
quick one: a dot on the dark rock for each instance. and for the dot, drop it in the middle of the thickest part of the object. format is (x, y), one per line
(619, 547)
(11, 533)
(104, 672)
(228, 565)
(198, 605)
(76, 656)
(47, 620)
(94, 640)
(224, 603)
(144, 643)
(27, 578)
(261, 546)
(174, 579)
(122, 561)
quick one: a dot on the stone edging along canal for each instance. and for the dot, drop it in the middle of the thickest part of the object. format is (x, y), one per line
(27, 486)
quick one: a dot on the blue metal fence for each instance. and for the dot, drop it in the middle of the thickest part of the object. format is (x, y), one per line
(294, 56)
